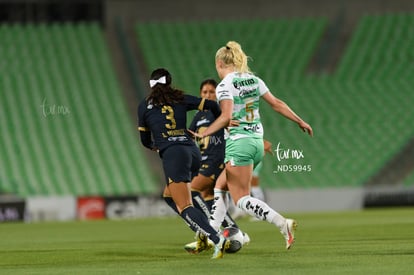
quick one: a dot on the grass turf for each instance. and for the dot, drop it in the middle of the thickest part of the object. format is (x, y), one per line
(377, 241)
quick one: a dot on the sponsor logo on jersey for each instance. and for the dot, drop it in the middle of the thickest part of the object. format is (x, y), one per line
(181, 138)
(253, 128)
(247, 93)
(203, 121)
(246, 82)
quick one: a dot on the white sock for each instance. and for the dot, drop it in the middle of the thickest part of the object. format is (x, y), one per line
(219, 208)
(231, 207)
(259, 209)
(257, 192)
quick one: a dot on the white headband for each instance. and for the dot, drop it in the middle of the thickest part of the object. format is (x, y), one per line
(161, 80)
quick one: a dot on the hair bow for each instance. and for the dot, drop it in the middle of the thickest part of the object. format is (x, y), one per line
(161, 80)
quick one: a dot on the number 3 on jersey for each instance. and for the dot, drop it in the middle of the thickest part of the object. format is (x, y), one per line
(170, 116)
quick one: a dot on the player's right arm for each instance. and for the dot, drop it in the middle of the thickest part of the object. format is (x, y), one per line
(144, 130)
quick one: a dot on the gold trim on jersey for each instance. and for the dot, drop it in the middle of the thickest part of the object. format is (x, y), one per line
(143, 129)
(201, 105)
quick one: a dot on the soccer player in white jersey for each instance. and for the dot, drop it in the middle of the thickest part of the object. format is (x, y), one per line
(239, 93)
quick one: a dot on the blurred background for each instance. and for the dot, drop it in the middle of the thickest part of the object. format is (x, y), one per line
(73, 72)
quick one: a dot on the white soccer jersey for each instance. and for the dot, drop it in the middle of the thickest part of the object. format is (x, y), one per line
(245, 90)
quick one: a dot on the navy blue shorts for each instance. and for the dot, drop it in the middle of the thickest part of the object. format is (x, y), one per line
(211, 168)
(181, 163)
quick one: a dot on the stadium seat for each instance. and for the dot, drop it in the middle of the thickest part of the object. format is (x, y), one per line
(66, 129)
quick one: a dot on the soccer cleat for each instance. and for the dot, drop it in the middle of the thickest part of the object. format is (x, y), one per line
(246, 238)
(288, 232)
(192, 247)
(219, 248)
(201, 242)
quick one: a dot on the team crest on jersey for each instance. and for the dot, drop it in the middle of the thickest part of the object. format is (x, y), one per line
(224, 93)
(149, 105)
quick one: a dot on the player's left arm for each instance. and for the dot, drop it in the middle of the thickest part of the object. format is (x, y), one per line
(223, 120)
(281, 107)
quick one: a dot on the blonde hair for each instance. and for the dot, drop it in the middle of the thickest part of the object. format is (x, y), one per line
(232, 54)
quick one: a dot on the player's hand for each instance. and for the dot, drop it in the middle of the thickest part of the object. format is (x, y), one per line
(306, 127)
(268, 147)
(198, 135)
(234, 123)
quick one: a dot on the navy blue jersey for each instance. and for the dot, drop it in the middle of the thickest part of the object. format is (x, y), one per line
(213, 146)
(168, 123)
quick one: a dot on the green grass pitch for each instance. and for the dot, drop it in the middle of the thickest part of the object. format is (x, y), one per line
(377, 241)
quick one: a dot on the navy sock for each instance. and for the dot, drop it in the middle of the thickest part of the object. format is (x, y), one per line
(171, 203)
(195, 219)
(209, 204)
(228, 221)
(199, 203)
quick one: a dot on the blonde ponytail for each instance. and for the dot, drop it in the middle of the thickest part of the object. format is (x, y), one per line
(232, 54)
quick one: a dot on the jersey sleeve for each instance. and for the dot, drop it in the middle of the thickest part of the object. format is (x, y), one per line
(193, 102)
(223, 91)
(144, 131)
(201, 104)
(213, 107)
(142, 126)
(262, 87)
